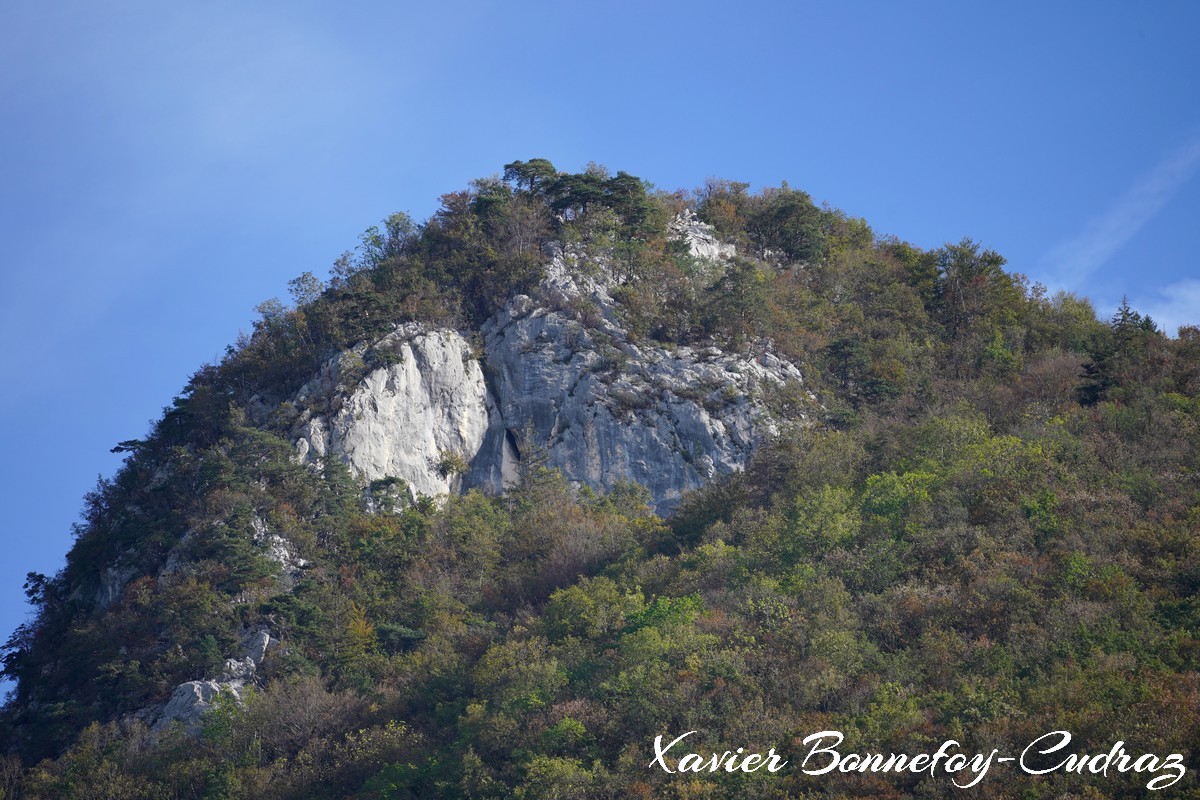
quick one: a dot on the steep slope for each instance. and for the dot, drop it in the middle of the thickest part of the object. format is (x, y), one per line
(522, 487)
(416, 410)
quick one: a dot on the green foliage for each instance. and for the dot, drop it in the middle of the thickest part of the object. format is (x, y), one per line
(985, 532)
(591, 609)
(666, 612)
(451, 463)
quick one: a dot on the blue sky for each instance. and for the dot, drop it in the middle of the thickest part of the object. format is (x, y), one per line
(166, 167)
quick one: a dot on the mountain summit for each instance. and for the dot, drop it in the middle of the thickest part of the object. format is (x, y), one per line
(574, 464)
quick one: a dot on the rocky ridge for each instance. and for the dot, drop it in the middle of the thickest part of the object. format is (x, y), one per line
(445, 415)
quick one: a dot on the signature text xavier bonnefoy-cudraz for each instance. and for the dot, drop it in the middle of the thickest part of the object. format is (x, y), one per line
(1047, 754)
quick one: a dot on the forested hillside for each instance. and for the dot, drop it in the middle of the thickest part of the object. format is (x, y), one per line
(985, 528)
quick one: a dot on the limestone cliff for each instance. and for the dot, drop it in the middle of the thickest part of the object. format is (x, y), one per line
(412, 419)
(444, 416)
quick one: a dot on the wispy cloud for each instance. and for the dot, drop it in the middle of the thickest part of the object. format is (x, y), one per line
(1070, 262)
(1174, 305)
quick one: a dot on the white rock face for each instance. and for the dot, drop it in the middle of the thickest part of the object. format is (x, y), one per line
(610, 411)
(190, 701)
(605, 410)
(699, 237)
(569, 273)
(403, 420)
(256, 645)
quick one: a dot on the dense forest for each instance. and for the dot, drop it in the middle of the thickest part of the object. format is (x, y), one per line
(989, 533)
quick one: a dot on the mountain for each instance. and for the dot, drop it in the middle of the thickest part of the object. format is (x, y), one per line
(574, 464)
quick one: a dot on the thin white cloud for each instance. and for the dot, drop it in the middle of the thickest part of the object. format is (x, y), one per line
(1174, 305)
(1070, 262)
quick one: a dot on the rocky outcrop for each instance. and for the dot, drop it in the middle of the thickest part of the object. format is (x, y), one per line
(279, 550)
(606, 410)
(112, 583)
(699, 237)
(420, 418)
(191, 700)
(602, 408)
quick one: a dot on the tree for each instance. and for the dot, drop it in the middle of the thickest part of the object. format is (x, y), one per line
(626, 195)
(305, 289)
(723, 204)
(786, 221)
(573, 194)
(973, 286)
(533, 175)
(376, 246)
(1133, 356)
(737, 303)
